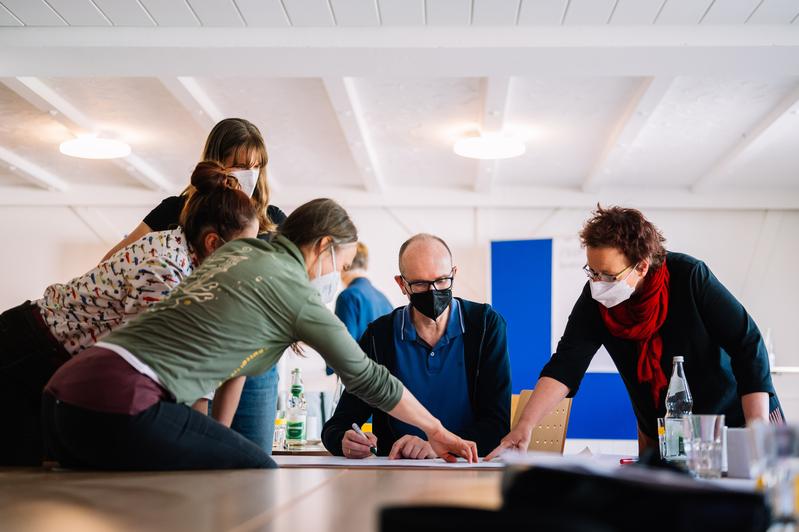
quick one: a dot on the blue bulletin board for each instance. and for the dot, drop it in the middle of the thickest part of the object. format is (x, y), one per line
(521, 288)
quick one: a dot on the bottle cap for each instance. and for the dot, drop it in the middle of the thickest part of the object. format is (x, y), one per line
(679, 359)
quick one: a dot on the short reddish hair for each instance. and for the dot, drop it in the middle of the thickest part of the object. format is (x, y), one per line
(626, 230)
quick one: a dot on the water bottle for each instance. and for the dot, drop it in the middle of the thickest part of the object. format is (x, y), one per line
(678, 405)
(296, 413)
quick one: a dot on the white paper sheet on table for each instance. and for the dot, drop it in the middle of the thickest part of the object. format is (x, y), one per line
(378, 462)
(608, 466)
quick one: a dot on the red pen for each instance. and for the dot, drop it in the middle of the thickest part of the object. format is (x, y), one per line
(626, 461)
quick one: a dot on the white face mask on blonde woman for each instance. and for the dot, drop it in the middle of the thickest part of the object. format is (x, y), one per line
(248, 178)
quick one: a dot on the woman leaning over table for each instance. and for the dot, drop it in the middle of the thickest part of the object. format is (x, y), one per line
(237, 145)
(646, 306)
(124, 404)
(37, 337)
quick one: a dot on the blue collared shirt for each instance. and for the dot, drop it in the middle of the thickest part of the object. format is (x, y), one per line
(435, 376)
(359, 305)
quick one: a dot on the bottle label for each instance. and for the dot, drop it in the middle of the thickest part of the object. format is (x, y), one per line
(295, 430)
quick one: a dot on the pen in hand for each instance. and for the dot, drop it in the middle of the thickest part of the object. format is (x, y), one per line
(357, 429)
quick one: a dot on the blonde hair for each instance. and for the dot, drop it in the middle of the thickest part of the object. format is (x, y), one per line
(361, 259)
(233, 136)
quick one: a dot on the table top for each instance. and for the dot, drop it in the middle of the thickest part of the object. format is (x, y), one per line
(230, 501)
(290, 499)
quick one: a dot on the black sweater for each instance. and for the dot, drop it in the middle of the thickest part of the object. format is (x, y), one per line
(725, 357)
(167, 213)
(487, 372)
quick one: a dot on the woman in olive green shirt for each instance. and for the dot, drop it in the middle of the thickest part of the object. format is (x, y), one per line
(125, 403)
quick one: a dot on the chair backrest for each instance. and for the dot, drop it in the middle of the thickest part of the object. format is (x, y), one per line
(550, 433)
(514, 402)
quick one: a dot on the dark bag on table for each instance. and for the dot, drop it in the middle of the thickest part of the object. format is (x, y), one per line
(636, 498)
(573, 498)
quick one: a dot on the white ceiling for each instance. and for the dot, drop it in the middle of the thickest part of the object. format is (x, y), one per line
(657, 102)
(365, 13)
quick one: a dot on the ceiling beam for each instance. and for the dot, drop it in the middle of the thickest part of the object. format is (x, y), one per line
(347, 106)
(99, 224)
(144, 172)
(644, 101)
(442, 52)
(425, 197)
(495, 102)
(466, 38)
(32, 172)
(46, 99)
(194, 99)
(202, 108)
(715, 176)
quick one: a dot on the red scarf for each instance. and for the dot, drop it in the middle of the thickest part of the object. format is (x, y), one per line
(640, 318)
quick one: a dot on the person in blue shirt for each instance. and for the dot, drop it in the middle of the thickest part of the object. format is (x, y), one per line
(360, 303)
(451, 353)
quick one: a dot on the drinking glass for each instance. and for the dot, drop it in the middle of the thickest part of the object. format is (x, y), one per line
(670, 439)
(774, 452)
(703, 444)
(662, 438)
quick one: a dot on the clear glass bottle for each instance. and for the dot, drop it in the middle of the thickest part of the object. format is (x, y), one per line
(296, 412)
(679, 404)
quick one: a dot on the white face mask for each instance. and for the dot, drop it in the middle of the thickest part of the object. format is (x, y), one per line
(613, 293)
(327, 285)
(248, 178)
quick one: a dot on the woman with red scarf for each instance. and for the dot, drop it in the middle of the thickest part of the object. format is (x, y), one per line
(646, 306)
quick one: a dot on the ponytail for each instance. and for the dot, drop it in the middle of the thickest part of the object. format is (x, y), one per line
(216, 204)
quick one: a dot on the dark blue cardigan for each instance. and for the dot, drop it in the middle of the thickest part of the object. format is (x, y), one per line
(725, 357)
(487, 373)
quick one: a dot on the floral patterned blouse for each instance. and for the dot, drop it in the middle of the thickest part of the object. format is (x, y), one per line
(83, 310)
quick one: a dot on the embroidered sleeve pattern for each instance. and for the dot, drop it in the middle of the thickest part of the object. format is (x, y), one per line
(201, 287)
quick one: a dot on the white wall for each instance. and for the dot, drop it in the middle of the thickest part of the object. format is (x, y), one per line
(754, 253)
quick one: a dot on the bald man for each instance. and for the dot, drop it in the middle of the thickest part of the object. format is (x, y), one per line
(452, 354)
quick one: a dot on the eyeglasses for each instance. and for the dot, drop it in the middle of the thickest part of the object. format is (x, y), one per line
(442, 283)
(605, 277)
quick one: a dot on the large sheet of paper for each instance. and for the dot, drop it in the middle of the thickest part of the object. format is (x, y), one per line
(608, 466)
(379, 462)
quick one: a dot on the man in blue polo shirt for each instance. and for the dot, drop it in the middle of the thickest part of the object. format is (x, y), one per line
(450, 353)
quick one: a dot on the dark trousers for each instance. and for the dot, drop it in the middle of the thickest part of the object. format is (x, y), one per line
(29, 356)
(166, 436)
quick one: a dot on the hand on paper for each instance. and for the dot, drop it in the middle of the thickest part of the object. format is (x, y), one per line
(516, 440)
(448, 446)
(412, 447)
(353, 445)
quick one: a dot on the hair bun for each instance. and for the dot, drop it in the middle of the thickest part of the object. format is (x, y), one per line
(210, 175)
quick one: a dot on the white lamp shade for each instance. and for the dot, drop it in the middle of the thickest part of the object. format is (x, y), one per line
(90, 147)
(489, 146)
